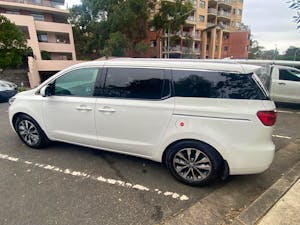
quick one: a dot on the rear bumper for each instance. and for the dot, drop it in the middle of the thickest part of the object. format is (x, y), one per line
(251, 161)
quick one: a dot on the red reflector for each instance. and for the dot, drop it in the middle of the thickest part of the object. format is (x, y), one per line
(268, 118)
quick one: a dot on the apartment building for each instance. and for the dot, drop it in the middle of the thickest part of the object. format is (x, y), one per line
(213, 30)
(48, 34)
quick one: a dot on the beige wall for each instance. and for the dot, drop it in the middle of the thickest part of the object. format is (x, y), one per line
(36, 64)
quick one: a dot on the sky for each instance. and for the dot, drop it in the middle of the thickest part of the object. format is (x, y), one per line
(270, 22)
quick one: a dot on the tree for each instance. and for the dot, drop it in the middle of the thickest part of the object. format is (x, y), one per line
(255, 50)
(295, 4)
(292, 53)
(13, 44)
(98, 25)
(171, 16)
(89, 33)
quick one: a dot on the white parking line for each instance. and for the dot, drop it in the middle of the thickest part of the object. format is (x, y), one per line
(288, 112)
(97, 178)
(283, 137)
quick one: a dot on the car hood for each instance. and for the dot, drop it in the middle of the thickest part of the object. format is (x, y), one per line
(26, 93)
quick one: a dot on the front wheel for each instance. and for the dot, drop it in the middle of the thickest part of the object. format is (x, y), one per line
(30, 132)
(193, 163)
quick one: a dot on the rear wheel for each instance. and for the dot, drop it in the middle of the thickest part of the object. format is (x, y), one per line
(193, 162)
(30, 132)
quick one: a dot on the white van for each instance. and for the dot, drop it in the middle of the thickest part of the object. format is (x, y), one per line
(201, 119)
(282, 82)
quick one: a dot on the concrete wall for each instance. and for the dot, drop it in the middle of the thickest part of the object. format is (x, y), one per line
(17, 76)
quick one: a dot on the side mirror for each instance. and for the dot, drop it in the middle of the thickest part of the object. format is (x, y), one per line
(46, 91)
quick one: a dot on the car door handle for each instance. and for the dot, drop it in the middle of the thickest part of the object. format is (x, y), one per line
(83, 108)
(281, 83)
(107, 110)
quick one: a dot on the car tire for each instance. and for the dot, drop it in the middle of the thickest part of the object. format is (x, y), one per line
(30, 132)
(193, 163)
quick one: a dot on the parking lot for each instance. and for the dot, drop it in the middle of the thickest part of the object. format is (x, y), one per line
(67, 184)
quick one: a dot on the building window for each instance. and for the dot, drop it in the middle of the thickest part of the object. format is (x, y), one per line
(42, 37)
(12, 12)
(62, 38)
(201, 18)
(25, 30)
(202, 4)
(239, 12)
(226, 48)
(38, 17)
(153, 43)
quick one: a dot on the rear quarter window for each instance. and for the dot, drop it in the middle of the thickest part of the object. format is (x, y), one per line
(210, 84)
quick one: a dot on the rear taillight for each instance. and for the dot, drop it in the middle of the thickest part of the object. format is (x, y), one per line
(268, 118)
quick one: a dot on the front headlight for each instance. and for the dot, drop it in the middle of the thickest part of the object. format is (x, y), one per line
(11, 100)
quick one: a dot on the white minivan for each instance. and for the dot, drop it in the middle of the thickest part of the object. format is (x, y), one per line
(201, 119)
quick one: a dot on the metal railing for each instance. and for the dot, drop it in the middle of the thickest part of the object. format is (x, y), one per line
(224, 14)
(191, 18)
(227, 2)
(212, 11)
(210, 24)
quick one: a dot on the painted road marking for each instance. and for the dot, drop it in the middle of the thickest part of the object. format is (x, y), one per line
(288, 112)
(96, 178)
(283, 137)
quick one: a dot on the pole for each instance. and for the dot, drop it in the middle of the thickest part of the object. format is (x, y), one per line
(168, 49)
(296, 54)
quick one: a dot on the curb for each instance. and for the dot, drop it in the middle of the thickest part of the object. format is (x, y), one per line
(240, 202)
(269, 198)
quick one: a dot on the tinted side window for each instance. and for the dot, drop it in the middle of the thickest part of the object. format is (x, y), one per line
(290, 75)
(204, 84)
(134, 83)
(79, 82)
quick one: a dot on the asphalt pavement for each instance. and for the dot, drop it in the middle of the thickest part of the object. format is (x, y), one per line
(67, 184)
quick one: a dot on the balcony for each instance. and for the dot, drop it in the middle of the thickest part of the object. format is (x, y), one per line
(194, 35)
(225, 2)
(35, 6)
(191, 20)
(56, 47)
(174, 49)
(224, 14)
(56, 4)
(212, 11)
(209, 24)
(225, 26)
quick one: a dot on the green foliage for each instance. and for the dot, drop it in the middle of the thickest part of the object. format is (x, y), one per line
(141, 47)
(292, 53)
(45, 55)
(295, 4)
(115, 45)
(172, 15)
(255, 50)
(12, 44)
(114, 27)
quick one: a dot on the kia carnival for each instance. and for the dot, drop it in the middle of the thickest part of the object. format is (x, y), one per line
(201, 119)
